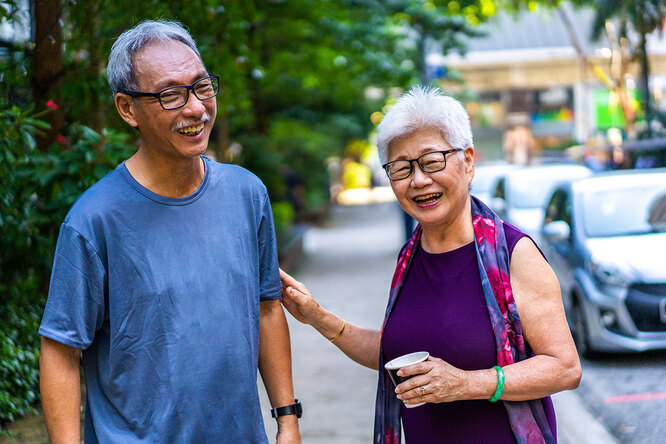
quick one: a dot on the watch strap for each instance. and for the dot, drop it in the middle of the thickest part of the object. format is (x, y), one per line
(294, 409)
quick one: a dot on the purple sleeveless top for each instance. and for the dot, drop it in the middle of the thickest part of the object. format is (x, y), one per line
(441, 309)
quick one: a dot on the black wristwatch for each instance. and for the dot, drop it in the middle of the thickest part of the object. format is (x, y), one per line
(294, 409)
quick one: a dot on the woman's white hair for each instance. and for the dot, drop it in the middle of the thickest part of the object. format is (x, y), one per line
(424, 107)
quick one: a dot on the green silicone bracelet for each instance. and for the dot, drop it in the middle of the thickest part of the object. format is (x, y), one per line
(500, 384)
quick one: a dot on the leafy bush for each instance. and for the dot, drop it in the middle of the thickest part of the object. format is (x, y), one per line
(36, 192)
(283, 215)
(19, 350)
(20, 304)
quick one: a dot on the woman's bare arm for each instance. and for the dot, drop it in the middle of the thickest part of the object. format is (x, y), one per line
(554, 367)
(360, 344)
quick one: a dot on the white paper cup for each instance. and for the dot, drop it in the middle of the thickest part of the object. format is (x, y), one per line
(396, 364)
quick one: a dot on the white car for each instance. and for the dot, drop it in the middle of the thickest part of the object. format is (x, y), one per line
(605, 237)
(486, 177)
(521, 195)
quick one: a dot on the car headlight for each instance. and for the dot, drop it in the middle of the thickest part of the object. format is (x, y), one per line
(608, 274)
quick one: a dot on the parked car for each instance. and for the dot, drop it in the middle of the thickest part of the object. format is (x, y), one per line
(486, 177)
(605, 237)
(521, 195)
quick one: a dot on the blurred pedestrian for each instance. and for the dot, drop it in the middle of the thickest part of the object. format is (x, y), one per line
(295, 191)
(519, 145)
(592, 161)
(645, 160)
(619, 160)
(473, 291)
(166, 275)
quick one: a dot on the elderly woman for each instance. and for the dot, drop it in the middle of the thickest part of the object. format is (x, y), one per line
(470, 289)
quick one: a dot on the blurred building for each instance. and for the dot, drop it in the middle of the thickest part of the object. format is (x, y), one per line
(527, 72)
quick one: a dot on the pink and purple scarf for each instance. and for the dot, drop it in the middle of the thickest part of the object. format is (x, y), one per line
(527, 418)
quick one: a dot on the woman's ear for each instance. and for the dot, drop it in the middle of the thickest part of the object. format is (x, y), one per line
(126, 108)
(469, 162)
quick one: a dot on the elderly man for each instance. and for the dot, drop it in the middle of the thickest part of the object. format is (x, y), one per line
(166, 275)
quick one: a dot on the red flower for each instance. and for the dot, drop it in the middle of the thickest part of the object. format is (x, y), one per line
(61, 139)
(50, 104)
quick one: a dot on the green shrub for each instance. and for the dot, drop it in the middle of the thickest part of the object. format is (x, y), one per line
(283, 215)
(19, 350)
(36, 192)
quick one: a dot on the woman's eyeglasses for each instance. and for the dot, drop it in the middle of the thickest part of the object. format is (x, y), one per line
(429, 163)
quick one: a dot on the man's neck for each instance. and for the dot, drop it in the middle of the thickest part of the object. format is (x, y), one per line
(169, 177)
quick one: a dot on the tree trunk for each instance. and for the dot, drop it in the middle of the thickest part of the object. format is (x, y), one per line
(48, 68)
(254, 78)
(646, 103)
(421, 56)
(95, 66)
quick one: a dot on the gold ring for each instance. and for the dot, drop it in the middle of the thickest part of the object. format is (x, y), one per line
(422, 388)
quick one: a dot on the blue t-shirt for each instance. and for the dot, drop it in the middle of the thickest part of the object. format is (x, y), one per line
(162, 295)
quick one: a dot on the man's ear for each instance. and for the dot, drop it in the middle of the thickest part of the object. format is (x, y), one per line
(126, 109)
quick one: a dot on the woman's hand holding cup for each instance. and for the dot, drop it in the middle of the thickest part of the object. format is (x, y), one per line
(433, 380)
(396, 370)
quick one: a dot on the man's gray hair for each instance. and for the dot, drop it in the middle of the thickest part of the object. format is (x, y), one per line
(424, 107)
(120, 70)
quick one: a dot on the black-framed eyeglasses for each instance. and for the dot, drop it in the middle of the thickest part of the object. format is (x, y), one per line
(429, 163)
(175, 97)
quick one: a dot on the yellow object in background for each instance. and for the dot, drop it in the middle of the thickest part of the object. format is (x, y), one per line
(356, 175)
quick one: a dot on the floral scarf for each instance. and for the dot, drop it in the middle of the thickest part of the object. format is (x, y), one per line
(527, 418)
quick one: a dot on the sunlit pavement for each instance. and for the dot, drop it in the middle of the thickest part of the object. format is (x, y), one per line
(365, 196)
(348, 266)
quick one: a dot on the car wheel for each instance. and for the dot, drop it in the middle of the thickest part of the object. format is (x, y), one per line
(578, 327)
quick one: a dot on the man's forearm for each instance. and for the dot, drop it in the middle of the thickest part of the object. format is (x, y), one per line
(275, 359)
(60, 385)
(275, 354)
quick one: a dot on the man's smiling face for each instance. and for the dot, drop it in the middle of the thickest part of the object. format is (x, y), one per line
(181, 132)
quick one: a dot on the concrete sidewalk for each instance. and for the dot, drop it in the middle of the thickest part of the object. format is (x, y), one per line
(348, 267)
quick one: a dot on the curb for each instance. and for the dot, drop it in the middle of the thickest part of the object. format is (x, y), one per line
(576, 424)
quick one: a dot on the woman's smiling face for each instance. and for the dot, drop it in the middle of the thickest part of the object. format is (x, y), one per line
(436, 198)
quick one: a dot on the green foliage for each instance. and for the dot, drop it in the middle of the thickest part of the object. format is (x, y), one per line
(283, 215)
(20, 236)
(19, 350)
(37, 189)
(20, 310)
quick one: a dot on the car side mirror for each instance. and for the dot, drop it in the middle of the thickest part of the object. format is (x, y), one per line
(556, 231)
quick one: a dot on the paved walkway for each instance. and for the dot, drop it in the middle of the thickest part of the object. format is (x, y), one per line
(348, 266)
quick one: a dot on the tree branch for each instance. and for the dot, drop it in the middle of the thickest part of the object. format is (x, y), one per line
(573, 37)
(25, 47)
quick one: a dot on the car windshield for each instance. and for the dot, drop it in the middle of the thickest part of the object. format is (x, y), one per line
(525, 192)
(629, 211)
